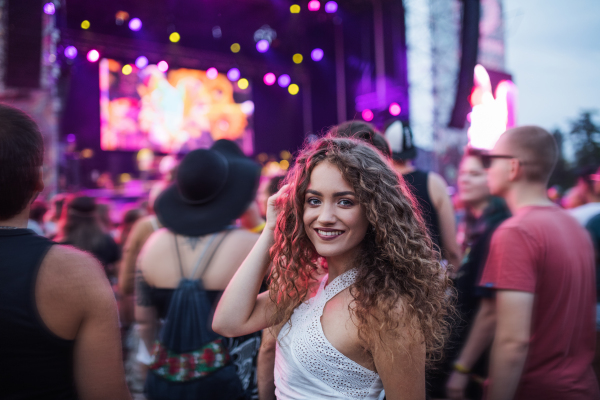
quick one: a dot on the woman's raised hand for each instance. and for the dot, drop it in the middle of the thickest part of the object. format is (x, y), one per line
(273, 209)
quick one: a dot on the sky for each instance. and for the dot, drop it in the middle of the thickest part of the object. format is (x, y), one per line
(553, 52)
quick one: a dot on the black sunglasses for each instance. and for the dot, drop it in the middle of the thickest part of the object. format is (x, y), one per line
(486, 159)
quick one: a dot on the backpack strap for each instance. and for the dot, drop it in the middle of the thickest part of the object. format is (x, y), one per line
(212, 254)
(210, 241)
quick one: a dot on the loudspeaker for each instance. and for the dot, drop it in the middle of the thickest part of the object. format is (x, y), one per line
(23, 47)
(468, 60)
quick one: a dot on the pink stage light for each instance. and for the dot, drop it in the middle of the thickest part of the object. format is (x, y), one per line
(70, 52)
(212, 73)
(141, 62)
(331, 7)
(163, 66)
(269, 78)
(49, 8)
(367, 115)
(317, 54)
(284, 80)
(314, 5)
(395, 109)
(93, 55)
(135, 24)
(262, 45)
(233, 74)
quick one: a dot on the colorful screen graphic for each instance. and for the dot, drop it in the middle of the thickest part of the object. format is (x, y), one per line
(168, 112)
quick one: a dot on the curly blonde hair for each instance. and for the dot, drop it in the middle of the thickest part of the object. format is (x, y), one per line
(398, 267)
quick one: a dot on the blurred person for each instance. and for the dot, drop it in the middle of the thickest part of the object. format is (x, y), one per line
(198, 247)
(36, 217)
(52, 217)
(593, 227)
(130, 217)
(376, 318)
(267, 188)
(429, 189)
(82, 229)
(59, 337)
(590, 190)
(541, 266)
(484, 213)
(103, 213)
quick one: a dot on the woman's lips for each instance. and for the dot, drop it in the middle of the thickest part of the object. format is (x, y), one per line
(328, 234)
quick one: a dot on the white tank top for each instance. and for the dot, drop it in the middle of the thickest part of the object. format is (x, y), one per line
(307, 366)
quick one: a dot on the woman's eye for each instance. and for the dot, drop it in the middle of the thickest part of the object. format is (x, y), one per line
(345, 202)
(313, 201)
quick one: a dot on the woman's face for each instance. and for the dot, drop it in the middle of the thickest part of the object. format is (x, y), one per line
(472, 181)
(334, 221)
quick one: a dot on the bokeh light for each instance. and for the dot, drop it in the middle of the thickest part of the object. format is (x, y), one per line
(314, 5)
(284, 80)
(120, 17)
(235, 47)
(297, 58)
(141, 62)
(127, 69)
(331, 7)
(135, 24)
(49, 8)
(262, 45)
(269, 78)
(174, 37)
(233, 74)
(243, 83)
(293, 89)
(85, 24)
(284, 164)
(212, 73)
(317, 54)
(395, 109)
(70, 52)
(163, 66)
(93, 55)
(367, 115)
(295, 9)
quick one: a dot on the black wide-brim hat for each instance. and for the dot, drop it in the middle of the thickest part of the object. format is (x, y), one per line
(213, 188)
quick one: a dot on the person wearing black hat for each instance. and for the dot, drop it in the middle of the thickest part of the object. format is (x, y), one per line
(212, 189)
(429, 189)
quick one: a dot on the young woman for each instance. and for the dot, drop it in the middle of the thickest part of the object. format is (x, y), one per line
(377, 318)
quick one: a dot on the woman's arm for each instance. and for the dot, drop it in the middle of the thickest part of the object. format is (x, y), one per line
(241, 309)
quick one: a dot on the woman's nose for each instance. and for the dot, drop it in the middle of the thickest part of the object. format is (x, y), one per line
(327, 214)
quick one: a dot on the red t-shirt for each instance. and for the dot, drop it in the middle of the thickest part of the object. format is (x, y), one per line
(543, 250)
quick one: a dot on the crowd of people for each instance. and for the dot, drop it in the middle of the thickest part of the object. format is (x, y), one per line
(354, 276)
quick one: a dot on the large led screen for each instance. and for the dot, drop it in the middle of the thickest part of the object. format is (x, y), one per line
(174, 111)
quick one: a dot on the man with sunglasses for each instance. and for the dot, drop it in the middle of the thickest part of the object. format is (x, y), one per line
(541, 266)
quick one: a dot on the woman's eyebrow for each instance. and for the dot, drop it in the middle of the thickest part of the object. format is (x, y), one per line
(314, 192)
(336, 194)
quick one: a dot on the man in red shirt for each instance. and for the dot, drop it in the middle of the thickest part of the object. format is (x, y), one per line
(541, 264)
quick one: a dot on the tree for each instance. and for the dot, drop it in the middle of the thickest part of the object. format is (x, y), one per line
(585, 135)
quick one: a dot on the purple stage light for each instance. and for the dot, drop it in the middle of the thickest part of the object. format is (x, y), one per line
(141, 62)
(262, 45)
(163, 66)
(70, 52)
(135, 24)
(49, 8)
(269, 78)
(395, 109)
(212, 73)
(314, 5)
(93, 55)
(233, 74)
(316, 54)
(367, 115)
(331, 7)
(284, 80)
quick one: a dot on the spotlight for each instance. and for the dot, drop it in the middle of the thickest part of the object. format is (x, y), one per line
(212, 73)
(295, 9)
(297, 58)
(70, 52)
(284, 80)
(395, 109)
(49, 8)
(93, 55)
(269, 78)
(293, 89)
(141, 62)
(233, 74)
(331, 7)
(163, 66)
(262, 45)
(367, 115)
(316, 54)
(216, 32)
(127, 69)
(174, 37)
(85, 24)
(314, 5)
(243, 83)
(135, 24)
(235, 47)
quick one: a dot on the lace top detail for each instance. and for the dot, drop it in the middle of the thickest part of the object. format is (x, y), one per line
(316, 355)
